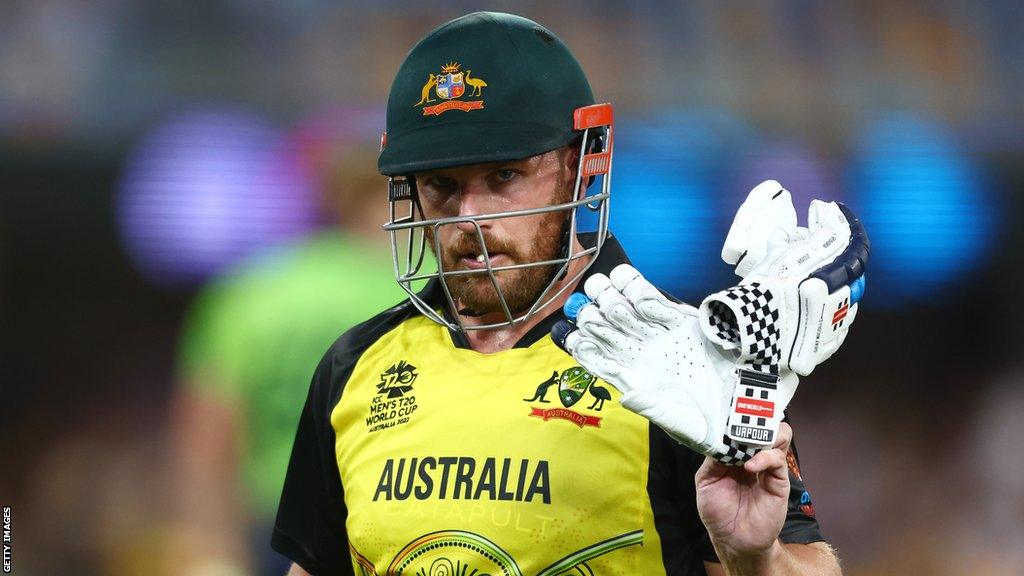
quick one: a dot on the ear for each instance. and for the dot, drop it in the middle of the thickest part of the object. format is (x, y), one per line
(570, 157)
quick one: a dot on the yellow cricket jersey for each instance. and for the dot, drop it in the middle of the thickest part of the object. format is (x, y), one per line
(416, 455)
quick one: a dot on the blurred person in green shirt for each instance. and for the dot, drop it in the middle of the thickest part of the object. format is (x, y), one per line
(246, 354)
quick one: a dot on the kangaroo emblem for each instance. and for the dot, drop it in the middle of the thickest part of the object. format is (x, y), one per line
(600, 393)
(542, 389)
(425, 93)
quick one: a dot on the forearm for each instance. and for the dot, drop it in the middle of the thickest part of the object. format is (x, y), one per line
(815, 559)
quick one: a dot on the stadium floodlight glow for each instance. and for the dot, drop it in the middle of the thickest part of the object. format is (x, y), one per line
(804, 172)
(670, 206)
(205, 188)
(930, 210)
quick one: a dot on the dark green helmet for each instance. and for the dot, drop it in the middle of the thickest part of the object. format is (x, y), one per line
(485, 87)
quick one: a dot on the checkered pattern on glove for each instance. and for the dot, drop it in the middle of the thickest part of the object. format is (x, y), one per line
(723, 324)
(750, 324)
(736, 453)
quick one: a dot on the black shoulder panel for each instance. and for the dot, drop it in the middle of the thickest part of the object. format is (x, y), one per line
(342, 356)
(310, 526)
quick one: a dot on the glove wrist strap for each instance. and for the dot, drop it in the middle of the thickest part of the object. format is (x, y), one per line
(747, 318)
(754, 416)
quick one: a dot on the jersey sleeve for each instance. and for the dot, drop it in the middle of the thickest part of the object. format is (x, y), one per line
(310, 525)
(685, 543)
(801, 526)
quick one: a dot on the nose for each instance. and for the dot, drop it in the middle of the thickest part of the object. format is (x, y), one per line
(473, 201)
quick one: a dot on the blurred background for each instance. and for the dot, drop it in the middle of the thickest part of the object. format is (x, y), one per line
(190, 215)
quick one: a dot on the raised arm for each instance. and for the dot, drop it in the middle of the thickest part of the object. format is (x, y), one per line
(744, 508)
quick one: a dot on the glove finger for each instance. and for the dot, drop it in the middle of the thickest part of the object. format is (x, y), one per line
(650, 304)
(831, 238)
(590, 314)
(625, 348)
(617, 310)
(590, 354)
(849, 266)
(822, 214)
(775, 223)
(596, 285)
(735, 245)
(592, 322)
(823, 245)
(775, 244)
(768, 207)
(660, 311)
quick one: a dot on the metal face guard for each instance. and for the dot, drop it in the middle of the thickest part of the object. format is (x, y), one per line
(406, 228)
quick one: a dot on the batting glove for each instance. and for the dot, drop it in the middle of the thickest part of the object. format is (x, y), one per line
(794, 307)
(653, 351)
(800, 287)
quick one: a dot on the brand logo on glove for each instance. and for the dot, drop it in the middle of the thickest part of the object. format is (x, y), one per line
(755, 407)
(840, 314)
(752, 433)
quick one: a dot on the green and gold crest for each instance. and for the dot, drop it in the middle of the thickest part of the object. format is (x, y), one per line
(573, 384)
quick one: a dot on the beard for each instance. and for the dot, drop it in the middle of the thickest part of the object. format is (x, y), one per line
(474, 294)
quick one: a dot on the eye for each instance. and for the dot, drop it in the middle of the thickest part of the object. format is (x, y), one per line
(505, 174)
(441, 184)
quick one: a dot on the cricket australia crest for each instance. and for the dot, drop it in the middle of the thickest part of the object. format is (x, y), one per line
(573, 384)
(451, 85)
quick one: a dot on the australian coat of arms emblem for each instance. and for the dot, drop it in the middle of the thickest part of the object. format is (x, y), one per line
(449, 87)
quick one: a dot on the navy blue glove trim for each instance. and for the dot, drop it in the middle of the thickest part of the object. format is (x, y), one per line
(851, 264)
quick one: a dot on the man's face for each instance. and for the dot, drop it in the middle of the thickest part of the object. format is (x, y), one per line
(535, 182)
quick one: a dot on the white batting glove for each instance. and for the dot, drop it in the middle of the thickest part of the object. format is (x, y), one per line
(800, 286)
(796, 302)
(653, 351)
(766, 219)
